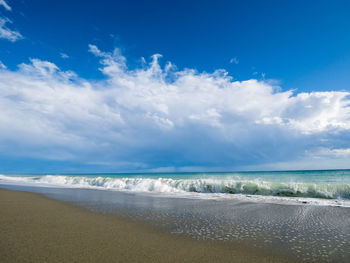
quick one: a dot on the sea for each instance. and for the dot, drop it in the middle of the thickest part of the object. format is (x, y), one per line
(301, 215)
(324, 187)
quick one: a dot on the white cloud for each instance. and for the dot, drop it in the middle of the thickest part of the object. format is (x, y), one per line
(156, 117)
(341, 151)
(334, 152)
(2, 65)
(7, 33)
(64, 55)
(234, 60)
(5, 5)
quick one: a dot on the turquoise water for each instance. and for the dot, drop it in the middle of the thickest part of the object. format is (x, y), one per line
(308, 176)
(314, 176)
(323, 184)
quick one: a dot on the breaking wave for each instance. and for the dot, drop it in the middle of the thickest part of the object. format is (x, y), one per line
(168, 185)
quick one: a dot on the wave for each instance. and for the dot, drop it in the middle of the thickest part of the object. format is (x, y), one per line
(168, 185)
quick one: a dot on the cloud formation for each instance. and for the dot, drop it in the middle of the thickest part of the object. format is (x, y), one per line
(234, 60)
(154, 117)
(64, 55)
(5, 5)
(5, 32)
(2, 65)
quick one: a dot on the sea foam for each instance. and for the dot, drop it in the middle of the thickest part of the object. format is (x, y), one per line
(207, 185)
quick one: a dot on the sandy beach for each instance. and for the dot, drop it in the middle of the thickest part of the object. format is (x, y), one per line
(34, 228)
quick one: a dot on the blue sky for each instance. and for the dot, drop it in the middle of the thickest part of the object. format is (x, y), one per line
(241, 85)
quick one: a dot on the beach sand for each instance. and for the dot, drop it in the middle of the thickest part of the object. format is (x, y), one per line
(34, 228)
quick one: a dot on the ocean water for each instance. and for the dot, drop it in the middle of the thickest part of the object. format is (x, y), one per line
(327, 187)
(301, 215)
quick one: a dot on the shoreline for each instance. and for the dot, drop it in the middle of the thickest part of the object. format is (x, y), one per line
(35, 228)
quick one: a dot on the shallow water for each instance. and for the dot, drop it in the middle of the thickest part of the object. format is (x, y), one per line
(306, 232)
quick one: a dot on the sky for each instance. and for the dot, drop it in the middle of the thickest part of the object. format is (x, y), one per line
(174, 86)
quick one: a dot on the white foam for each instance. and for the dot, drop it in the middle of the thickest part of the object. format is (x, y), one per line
(254, 190)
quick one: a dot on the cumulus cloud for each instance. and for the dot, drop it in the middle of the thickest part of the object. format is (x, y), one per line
(7, 33)
(154, 116)
(5, 5)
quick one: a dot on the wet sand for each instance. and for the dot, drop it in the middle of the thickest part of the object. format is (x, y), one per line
(34, 228)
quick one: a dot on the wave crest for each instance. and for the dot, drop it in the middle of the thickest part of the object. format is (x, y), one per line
(168, 185)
